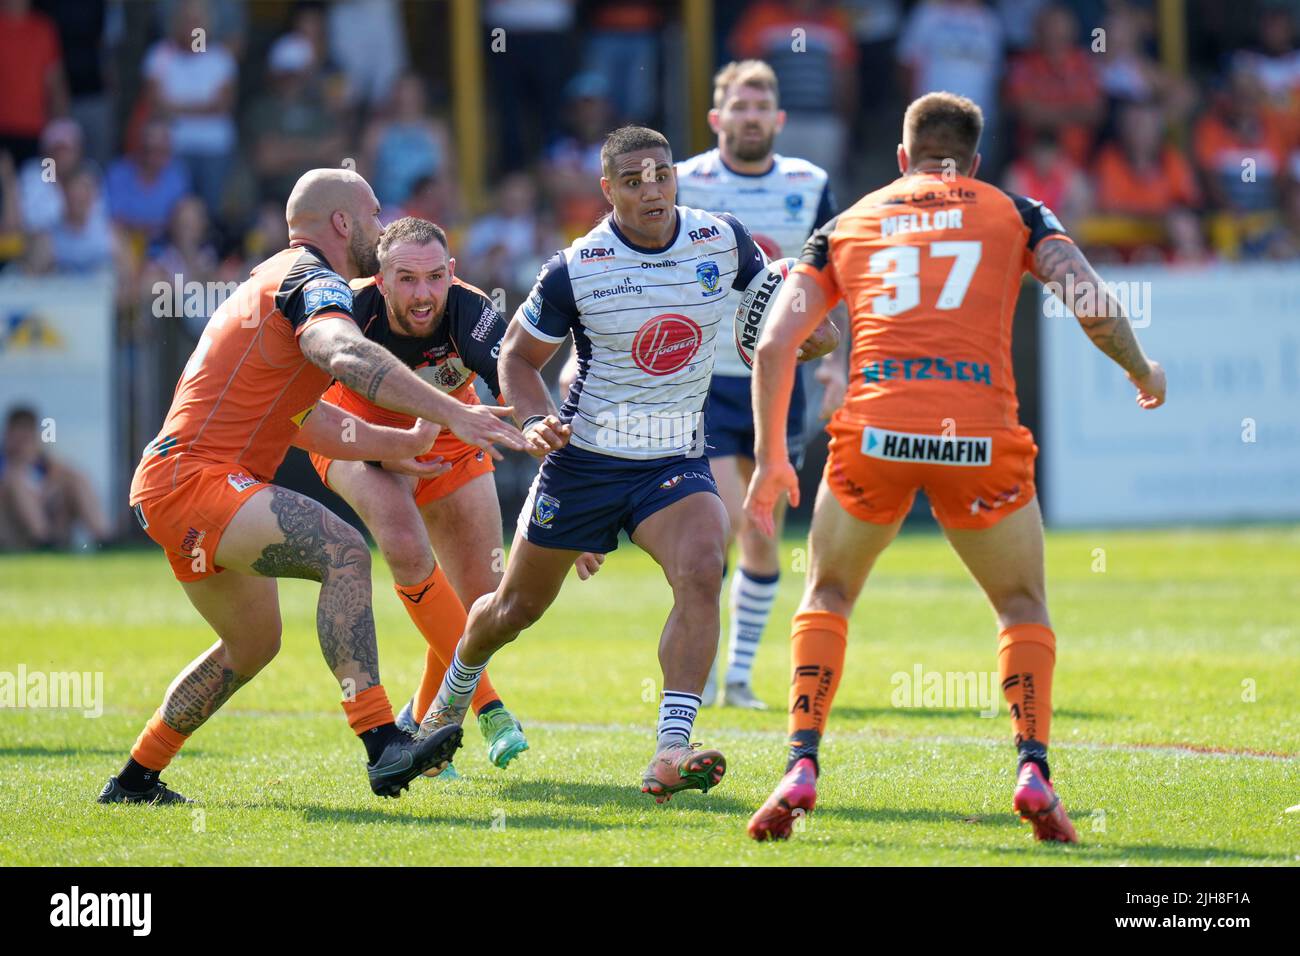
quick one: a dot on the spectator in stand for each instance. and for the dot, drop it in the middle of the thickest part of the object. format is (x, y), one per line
(33, 87)
(528, 73)
(623, 45)
(404, 146)
(572, 167)
(1141, 174)
(1018, 18)
(957, 46)
(82, 26)
(1275, 64)
(268, 235)
(816, 71)
(224, 21)
(42, 500)
(1129, 73)
(191, 82)
(329, 82)
(186, 252)
(1055, 86)
(504, 247)
(368, 40)
(40, 178)
(83, 239)
(145, 186)
(434, 199)
(291, 131)
(1045, 173)
(1241, 153)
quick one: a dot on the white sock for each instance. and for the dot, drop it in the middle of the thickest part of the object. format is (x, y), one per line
(752, 597)
(677, 710)
(458, 685)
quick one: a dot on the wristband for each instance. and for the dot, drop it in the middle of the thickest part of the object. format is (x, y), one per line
(530, 421)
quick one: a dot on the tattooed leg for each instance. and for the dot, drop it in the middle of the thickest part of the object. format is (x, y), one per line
(319, 546)
(201, 689)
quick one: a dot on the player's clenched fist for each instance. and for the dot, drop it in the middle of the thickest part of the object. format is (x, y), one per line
(1151, 387)
(545, 434)
(481, 425)
(765, 489)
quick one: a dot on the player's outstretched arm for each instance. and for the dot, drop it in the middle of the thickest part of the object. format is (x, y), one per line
(338, 347)
(523, 356)
(800, 307)
(334, 433)
(1061, 265)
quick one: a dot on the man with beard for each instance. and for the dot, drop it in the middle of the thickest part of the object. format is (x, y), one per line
(202, 490)
(782, 200)
(448, 333)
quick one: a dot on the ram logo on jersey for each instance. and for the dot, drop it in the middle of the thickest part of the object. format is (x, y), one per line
(644, 360)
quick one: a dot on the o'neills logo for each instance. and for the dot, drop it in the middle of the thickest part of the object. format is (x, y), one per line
(666, 343)
(937, 449)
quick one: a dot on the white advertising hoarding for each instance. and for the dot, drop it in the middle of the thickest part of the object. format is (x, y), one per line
(56, 355)
(1225, 446)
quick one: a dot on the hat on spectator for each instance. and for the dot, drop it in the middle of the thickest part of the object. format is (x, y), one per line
(292, 53)
(61, 132)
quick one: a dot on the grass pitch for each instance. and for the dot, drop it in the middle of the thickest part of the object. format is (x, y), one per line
(1175, 737)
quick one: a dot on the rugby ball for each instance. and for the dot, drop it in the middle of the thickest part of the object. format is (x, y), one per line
(755, 304)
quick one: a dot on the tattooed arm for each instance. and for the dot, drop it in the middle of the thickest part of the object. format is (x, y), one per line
(338, 347)
(1060, 265)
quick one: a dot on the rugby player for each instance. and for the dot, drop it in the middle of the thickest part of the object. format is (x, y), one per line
(202, 490)
(644, 293)
(449, 333)
(930, 267)
(781, 199)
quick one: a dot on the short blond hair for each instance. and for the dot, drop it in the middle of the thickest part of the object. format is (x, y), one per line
(943, 126)
(754, 73)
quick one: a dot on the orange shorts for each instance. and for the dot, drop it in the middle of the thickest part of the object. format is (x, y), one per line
(188, 521)
(973, 481)
(467, 463)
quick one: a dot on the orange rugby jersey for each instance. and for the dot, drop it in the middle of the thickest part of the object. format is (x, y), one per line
(247, 387)
(930, 270)
(464, 344)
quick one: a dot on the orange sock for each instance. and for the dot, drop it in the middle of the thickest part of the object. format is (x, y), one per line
(438, 614)
(368, 710)
(1026, 658)
(817, 646)
(157, 744)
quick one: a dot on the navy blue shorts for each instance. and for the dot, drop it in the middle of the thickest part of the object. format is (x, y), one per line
(729, 418)
(580, 500)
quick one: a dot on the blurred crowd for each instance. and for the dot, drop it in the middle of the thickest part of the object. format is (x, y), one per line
(160, 139)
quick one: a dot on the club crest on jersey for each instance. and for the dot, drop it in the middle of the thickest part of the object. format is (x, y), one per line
(544, 510)
(595, 255)
(705, 234)
(793, 206)
(709, 277)
(666, 344)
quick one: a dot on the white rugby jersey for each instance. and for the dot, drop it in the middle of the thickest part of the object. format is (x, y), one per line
(643, 323)
(781, 208)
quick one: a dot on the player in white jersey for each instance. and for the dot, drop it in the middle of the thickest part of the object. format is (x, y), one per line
(644, 294)
(782, 200)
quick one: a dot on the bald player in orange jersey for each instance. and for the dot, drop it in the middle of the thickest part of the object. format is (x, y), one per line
(930, 267)
(202, 490)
